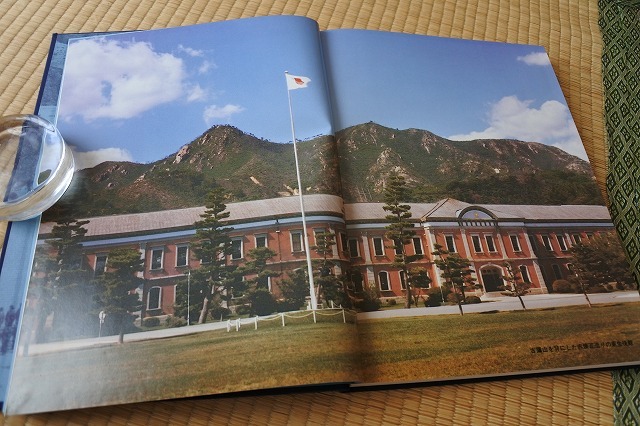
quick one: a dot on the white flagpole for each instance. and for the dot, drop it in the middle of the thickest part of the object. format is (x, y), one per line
(312, 293)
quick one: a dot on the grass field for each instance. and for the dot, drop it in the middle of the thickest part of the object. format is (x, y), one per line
(396, 349)
(420, 348)
(204, 363)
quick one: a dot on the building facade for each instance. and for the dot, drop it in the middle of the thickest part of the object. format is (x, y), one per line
(534, 239)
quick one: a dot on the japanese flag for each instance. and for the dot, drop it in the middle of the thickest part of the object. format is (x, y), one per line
(297, 82)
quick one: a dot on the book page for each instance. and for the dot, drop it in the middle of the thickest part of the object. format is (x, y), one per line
(480, 243)
(178, 263)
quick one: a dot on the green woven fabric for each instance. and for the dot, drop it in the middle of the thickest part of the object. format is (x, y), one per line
(620, 26)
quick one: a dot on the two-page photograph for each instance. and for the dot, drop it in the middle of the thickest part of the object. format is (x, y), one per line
(261, 205)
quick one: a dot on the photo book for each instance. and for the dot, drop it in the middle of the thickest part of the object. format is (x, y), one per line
(260, 205)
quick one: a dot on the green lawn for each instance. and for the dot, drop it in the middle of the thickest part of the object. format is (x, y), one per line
(203, 363)
(432, 347)
(406, 349)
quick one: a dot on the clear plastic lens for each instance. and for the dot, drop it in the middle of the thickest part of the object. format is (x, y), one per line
(36, 166)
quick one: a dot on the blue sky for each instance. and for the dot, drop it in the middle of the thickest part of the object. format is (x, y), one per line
(458, 89)
(140, 96)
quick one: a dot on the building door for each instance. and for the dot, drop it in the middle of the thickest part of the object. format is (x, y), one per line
(492, 279)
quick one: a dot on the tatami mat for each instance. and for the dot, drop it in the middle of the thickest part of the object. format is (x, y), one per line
(569, 31)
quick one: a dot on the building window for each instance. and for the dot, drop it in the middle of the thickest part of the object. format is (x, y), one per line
(101, 265)
(157, 258)
(557, 273)
(524, 273)
(451, 244)
(477, 245)
(589, 235)
(490, 244)
(297, 245)
(383, 277)
(236, 248)
(561, 242)
(532, 240)
(515, 243)
(417, 245)
(398, 247)
(261, 240)
(182, 255)
(577, 238)
(403, 280)
(546, 242)
(153, 298)
(317, 231)
(353, 248)
(378, 246)
(344, 243)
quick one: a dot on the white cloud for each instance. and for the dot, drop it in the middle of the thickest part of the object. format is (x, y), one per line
(538, 59)
(214, 112)
(190, 51)
(205, 67)
(512, 118)
(110, 79)
(195, 93)
(85, 160)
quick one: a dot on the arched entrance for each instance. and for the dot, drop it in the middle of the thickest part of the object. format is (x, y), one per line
(492, 279)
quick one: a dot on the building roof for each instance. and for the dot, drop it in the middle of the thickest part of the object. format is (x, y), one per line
(245, 211)
(320, 204)
(450, 209)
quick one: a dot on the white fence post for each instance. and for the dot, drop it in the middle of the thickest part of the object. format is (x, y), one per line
(237, 324)
(282, 315)
(314, 316)
(256, 322)
(344, 319)
(228, 326)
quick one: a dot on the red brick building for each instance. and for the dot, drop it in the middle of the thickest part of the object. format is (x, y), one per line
(535, 239)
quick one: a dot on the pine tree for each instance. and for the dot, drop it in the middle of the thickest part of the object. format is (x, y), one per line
(517, 286)
(456, 271)
(117, 297)
(294, 290)
(599, 261)
(400, 229)
(328, 285)
(259, 294)
(212, 246)
(69, 279)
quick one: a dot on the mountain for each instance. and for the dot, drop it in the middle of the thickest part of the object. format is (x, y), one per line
(224, 156)
(481, 171)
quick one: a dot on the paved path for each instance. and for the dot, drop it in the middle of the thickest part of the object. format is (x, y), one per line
(506, 303)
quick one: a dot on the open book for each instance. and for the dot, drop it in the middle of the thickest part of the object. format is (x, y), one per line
(262, 205)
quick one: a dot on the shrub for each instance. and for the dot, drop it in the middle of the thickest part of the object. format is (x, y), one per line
(597, 289)
(562, 286)
(370, 301)
(173, 322)
(452, 298)
(470, 300)
(151, 322)
(262, 302)
(243, 310)
(392, 302)
(220, 313)
(287, 306)
(434, 296)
